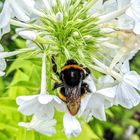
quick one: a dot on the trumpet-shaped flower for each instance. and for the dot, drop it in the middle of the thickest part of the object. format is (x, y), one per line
(41, 105)
(43, 126)
(124, 92)
(97, 102)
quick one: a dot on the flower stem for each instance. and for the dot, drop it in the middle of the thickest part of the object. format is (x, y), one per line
(26, 25)
(43, 75)
(8, 54)
(106, 70)
(20, 24)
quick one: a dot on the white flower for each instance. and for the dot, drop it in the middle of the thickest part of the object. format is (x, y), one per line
(72, 127)
(124, 92)
(21, 9)
(42, 126)
(134, 13)
(96, 103)
(40, 105)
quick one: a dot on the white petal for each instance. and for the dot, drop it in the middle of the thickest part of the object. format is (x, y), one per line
(125, 67)
(84, 102)
(87, 115)
(137, 27)
(125, 22)
(45, 112)
(6, 29)
(105, 79)
(19, 12)
(122, 3)
(134, 13)
(5, 15)
(28, 6)
(132, 53)
(126, 96)
(98, 110)
(22, 99)
(46, 127)
(47, 5)
(42, 126)
(60, 107)
(29, 107)
(132, 78)
(107, 93)
(97, 6)
(109, 6)
(45, 98)
(56, 99)
(72, 127)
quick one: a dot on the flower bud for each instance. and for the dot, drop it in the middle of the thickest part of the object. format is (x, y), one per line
(76, 34)
(29, 35)
(59, 17)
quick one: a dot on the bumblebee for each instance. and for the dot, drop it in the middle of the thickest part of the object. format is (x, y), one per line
(72, 86)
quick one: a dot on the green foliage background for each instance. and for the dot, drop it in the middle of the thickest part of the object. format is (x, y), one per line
(23, 78)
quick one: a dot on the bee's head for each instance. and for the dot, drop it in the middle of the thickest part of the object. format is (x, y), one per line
(71, 62)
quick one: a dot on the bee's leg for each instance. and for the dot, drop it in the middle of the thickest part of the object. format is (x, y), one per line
(54, 67)
(57, 85)
(84, 89)
(87, 71)
(61, 94)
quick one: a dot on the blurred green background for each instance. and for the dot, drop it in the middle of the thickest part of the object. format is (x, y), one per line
(23, 78)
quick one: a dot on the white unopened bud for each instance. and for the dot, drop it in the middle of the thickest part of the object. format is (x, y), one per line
(59, 17)
(29, 35)
(76, 34)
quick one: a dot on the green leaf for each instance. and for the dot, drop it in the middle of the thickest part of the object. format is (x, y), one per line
(3, 136)
(7, 104)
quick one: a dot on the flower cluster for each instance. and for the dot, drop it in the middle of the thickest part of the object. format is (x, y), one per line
(102, 36)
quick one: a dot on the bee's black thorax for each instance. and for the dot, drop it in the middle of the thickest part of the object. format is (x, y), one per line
(72, 76)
